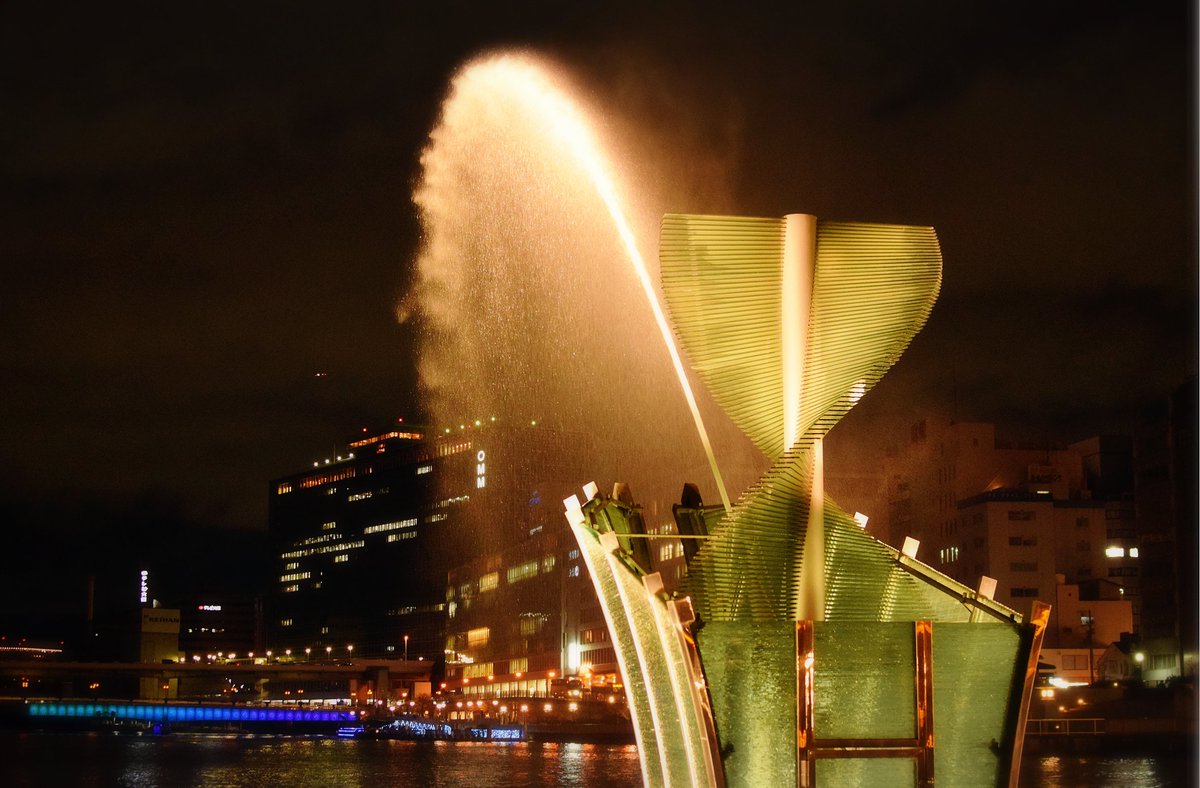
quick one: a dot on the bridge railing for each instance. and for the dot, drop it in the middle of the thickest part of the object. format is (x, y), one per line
(1066, 726)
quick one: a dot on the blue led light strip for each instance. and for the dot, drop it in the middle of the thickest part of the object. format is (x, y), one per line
(169, 713)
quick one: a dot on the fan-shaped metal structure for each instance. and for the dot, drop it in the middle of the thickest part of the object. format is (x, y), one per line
(802, 649)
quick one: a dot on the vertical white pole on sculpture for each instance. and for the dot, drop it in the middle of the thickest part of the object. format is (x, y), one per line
(799, 262)
(799, 268)
(811, 601)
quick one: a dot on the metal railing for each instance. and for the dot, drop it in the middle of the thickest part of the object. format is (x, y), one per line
(1066, 726)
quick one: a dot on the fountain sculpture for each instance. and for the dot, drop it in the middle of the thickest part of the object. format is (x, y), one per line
(800, 651)
(803, 651)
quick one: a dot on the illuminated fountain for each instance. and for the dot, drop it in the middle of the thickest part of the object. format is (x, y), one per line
(533, 296)
(804, 651)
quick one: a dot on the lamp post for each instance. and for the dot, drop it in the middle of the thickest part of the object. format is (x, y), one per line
(406, 648)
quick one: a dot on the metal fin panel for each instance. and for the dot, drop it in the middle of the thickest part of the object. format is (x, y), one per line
(721, 276)
(873, 290)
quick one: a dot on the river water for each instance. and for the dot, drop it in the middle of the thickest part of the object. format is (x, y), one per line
(102, 760)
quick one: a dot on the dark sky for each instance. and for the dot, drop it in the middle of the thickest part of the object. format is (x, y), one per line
(206, 204)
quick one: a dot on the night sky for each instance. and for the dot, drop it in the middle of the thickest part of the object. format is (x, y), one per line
(207, 204)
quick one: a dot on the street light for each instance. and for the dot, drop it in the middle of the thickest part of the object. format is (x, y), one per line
(308, 653)
(406, 648)
(328, 651)
(350, 648)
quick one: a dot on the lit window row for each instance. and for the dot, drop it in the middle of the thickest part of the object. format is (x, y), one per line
(436, 518)
(392, 526)
(317, 480)
(362, 496)
(414, 436)
(446, 449)
(291, 589)
(478, 670)
(330, 526)
(532, 624)
(295, 576)
(521, 572)
(948, 555)
(1119, 552)
(400, 537)
(526, 570)
(410, 609)
(442, 504)
(424, 469)
(318, 539)
(341, 559)
(286, 622)
(329, 548)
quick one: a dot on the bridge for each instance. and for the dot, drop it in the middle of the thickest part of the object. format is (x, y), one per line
(379, 679)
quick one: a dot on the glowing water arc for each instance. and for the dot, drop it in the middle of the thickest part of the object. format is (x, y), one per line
(566, 123)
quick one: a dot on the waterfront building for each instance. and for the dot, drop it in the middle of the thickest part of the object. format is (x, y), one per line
(524, 621)
(220, 624)
(344, 537)
(379, 549)
(1021, 514)
(158, 643)
(1088, 614)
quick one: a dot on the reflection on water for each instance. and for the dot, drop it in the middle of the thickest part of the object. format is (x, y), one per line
(1107, 771)
(140, 762)
(102, 760)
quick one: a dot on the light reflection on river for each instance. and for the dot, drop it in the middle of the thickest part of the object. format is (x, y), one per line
(87, 760)
(1107, 771)
(102, 760)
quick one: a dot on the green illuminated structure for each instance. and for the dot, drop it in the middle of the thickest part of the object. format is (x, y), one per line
(804, 652)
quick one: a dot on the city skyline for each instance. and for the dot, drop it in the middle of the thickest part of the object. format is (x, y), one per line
(211, 234)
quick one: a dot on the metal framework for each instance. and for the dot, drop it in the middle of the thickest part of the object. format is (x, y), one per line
(919, 747)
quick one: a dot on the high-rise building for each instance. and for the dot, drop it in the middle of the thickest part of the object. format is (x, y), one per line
(364, 542)
(1166, 483)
